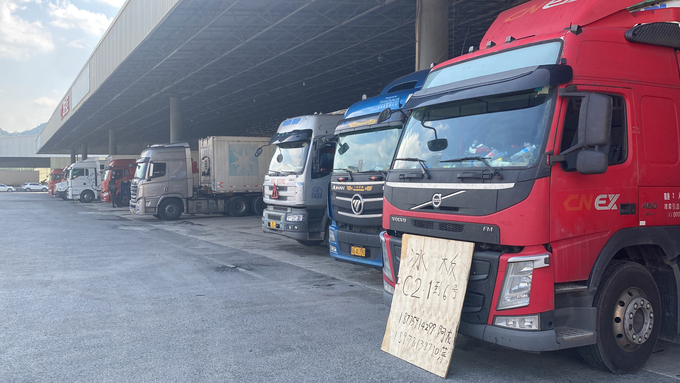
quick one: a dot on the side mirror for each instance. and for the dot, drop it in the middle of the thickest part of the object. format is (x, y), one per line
(343, 148)
(258, 152)
(438, 144)
(594, 121)
(591, 162)
(598, 120)
(384, 115)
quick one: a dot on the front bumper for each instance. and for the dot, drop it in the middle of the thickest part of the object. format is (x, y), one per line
(139, 207)
(341, 248)
(274, 221)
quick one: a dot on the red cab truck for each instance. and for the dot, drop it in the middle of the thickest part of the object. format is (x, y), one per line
(554, 148)
(124, 170)
(55, 178)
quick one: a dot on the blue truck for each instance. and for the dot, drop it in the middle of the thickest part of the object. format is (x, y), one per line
(367, 139)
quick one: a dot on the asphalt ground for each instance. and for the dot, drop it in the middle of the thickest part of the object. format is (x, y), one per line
(90, 293)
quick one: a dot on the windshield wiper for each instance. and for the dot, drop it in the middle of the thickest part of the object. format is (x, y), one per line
(420, 162)
(348, 172)
(494, 171)
(276, 173)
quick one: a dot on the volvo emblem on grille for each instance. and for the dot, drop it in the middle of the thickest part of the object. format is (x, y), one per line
(357, 204)
(436, 200)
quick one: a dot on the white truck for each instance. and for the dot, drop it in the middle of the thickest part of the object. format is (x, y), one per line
(227, 179)
(84, 181)
(296, 188)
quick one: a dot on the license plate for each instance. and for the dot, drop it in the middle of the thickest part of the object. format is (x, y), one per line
(272, 224)
(358, 251)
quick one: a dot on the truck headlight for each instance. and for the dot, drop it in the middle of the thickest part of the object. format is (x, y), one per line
(387, 268)
(516, 289)
(525, 322)
(331, 235)
(295, 217)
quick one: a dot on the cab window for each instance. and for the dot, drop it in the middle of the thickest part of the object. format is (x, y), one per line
(158, 170)
(618, 147)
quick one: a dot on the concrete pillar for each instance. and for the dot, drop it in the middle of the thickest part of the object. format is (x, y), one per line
(73, 155)
(175, 120)
(113, 143)
(83, 151)
(432, 32)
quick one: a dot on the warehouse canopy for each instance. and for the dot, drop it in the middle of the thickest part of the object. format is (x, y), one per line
(241, 67)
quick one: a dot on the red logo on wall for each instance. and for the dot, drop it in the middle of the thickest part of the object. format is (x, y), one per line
(65, 107)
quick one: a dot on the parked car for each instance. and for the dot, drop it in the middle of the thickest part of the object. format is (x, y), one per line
(34, 186)
(6, 188)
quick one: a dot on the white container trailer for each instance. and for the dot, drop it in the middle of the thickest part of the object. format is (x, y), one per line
(228, 164)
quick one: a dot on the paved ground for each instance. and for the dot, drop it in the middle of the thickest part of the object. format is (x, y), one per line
(89, 293)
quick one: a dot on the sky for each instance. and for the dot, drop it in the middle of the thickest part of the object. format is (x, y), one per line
(43, 46)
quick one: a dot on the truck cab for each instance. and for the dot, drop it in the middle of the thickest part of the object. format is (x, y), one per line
(55, 178)
(61, 186)
(84, 182)
(296, 187)
(121, 170)
(162, 181)
(552, 148)
(367, 137)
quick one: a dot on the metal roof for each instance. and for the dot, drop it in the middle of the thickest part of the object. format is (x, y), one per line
(241, 67)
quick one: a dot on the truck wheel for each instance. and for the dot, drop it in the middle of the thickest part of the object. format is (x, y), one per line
(170, 210)
(63, 196)
(237, 206)
(258, 205)
(628, 319)
(309, 243)
(125, 201)
(87, 196)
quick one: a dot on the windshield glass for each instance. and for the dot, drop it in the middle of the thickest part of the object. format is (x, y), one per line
(541, 54)
(140, 172)
(56, 177)
(366, 151)
(506, 130)
(106, 174)
(289, 158)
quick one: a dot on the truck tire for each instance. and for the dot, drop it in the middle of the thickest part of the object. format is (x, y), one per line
(125, 201)
(63, 196)
(257, 206)
(628, 319)
(87, 196)
(170, 209)
(237, 206)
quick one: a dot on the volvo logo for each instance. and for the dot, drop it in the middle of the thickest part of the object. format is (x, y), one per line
(436, 200)
(357, 204)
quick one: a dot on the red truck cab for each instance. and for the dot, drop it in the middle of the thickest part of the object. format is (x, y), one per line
(554, 148)
(123, 170)
(55, 178)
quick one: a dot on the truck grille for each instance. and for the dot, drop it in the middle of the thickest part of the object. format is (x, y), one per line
(133, 192)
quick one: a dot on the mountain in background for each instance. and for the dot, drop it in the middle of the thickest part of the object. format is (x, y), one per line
(33, 131)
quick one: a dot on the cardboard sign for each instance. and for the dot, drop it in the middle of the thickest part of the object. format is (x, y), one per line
(428, 301)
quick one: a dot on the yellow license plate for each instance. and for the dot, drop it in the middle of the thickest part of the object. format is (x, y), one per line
(358, 251)
(272, 224)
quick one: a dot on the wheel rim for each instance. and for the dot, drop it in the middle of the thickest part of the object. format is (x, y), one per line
(239, 206)
(171, 209)
(633, 320)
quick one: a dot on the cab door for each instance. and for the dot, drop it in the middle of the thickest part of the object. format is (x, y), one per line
(585, 210)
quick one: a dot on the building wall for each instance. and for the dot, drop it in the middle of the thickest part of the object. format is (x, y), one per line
(18, 177)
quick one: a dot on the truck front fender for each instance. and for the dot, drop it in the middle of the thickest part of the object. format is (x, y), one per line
(666, 237)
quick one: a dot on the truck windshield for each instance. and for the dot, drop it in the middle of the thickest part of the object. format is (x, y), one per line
(106, 174)
(503, 130)
(56, 177)
(367, 150)
(289, 158)
(140, 172)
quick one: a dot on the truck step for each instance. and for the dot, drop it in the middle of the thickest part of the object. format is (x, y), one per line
(570, 288)
(573, 337)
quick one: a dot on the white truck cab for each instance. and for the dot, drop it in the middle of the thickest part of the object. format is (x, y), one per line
(296, 187)
(84, 181)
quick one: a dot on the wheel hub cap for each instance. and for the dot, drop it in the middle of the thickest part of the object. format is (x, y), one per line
(633, 319)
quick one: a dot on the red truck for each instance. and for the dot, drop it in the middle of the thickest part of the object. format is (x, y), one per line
(124, 170)
(554, 148)
(55, 178)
